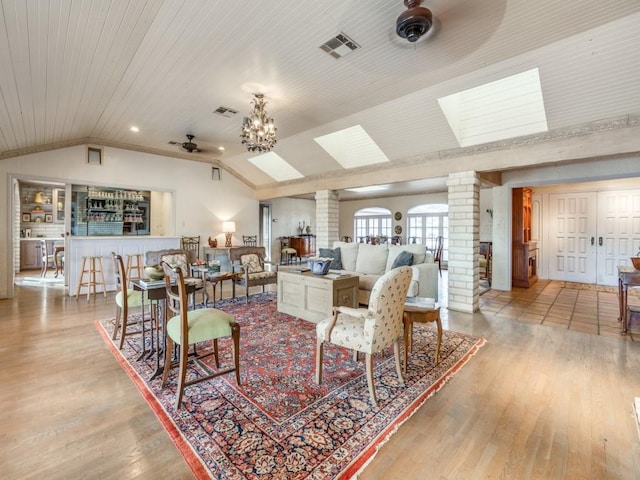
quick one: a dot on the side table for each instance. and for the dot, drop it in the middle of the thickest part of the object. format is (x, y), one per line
(420, 310)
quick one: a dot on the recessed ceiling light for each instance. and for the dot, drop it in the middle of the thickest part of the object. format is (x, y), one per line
(221, 148)
(134, 129)
(372, 188)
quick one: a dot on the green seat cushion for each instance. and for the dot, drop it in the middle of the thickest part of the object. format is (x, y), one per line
(134, 298)
(204, 324)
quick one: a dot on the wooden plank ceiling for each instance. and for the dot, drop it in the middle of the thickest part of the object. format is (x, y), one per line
(76, 72)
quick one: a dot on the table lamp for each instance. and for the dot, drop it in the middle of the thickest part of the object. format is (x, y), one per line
(228, 228)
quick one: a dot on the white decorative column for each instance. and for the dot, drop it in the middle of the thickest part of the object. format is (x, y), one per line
(327, 218)
(464, 238)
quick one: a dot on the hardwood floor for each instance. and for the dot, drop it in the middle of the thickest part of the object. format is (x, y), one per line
(535, 402)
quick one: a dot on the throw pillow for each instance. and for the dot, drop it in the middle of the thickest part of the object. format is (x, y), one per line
(372, 259)
(252, 262)
(348, 254)
(403, 259)
(177, 260)
(334, 254)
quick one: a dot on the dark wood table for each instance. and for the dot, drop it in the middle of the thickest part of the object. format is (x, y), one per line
(627, 277)
(420, 310)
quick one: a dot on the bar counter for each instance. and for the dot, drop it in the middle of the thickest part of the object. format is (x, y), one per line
(79, 246)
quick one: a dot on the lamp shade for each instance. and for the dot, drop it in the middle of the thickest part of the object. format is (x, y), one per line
(229, 227)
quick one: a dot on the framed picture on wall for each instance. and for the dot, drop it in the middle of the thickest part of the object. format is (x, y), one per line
(48, 218)
(26, 217)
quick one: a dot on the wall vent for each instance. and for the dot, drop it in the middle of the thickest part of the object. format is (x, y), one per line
(339, 46)
(225, 112)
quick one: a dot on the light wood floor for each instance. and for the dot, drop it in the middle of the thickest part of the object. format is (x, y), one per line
(537, 401)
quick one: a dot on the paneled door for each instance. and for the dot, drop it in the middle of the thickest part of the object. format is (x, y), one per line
(618, 232)
(572, 237)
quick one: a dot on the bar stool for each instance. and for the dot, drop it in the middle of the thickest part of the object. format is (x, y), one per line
(134, 264)
(91, 264)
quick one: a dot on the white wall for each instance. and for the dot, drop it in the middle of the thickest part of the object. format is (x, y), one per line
(200, 204)
(287, 214)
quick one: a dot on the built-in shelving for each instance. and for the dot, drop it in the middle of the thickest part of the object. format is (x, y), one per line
(524, 250)
(109, 211)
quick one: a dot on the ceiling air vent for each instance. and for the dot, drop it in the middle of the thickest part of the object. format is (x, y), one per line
(225, 112)
(339, 46)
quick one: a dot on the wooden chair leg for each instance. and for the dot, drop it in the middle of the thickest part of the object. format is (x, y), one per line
(396, 351)
(168, 349)
(319, 362)
(215, 352)
(116, 325)
(369, 368)
(123, 328)
(182, 375)
(235, 335)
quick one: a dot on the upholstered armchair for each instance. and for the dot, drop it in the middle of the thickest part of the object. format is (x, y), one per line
(182, 258)
(371, 329)
(250, 265)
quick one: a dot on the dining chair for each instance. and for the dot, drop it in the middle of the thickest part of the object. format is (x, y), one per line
(48, 259)
(437, 256)
(287, 252)
(191, 244)
(186, 327)
(369, 330)
(125, 298)
(250, 240)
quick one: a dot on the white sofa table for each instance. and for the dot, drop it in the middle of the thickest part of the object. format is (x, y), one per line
(312, 297)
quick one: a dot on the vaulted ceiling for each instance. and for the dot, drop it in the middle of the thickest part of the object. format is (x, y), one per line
(85, 72)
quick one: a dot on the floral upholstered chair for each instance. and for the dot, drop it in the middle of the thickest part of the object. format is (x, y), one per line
(371, 329)
(250, 265)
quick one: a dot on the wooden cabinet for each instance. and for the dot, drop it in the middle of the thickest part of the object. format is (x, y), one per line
(524, 263)
(312, 297)
(305, 245)
(30, 255)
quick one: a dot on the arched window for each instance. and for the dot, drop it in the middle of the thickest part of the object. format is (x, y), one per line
(425, 223)
(372, 222)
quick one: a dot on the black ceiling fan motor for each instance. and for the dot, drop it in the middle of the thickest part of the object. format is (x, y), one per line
(415, 22)
(190, 146)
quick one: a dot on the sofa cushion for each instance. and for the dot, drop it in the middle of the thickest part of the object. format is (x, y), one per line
(372, 259)
(334, 255)
(252, 262)
(348, 254)
(404, 259)
(419, 253)
(367, 281)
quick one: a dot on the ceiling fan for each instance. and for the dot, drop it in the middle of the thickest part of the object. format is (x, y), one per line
(189, 146)
(414, 22)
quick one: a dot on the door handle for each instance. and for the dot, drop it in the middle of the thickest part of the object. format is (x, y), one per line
(600, 241)
(593, 241)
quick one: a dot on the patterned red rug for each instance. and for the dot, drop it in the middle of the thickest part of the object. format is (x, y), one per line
(279, 424)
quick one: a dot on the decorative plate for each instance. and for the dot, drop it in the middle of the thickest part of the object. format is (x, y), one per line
(398, 216)
(398, 230)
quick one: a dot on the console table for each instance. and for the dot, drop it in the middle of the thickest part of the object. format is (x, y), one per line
(627, 277)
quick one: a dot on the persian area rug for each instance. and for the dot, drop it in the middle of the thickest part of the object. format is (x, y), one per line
(279, 424)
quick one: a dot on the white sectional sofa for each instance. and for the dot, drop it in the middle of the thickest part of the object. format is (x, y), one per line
(370, 262)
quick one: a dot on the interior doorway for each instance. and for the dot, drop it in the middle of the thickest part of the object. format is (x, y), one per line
(590, 233)
(265, 227)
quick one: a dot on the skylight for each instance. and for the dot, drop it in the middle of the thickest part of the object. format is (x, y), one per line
(275, 166)
(352, 147)
(507, 108)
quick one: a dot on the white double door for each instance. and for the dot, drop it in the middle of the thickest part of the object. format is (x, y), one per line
(589, 234)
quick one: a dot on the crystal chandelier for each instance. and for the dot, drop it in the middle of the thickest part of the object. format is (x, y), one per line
(258, 130)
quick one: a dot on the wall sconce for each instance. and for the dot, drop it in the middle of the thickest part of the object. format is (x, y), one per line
(228, 228)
